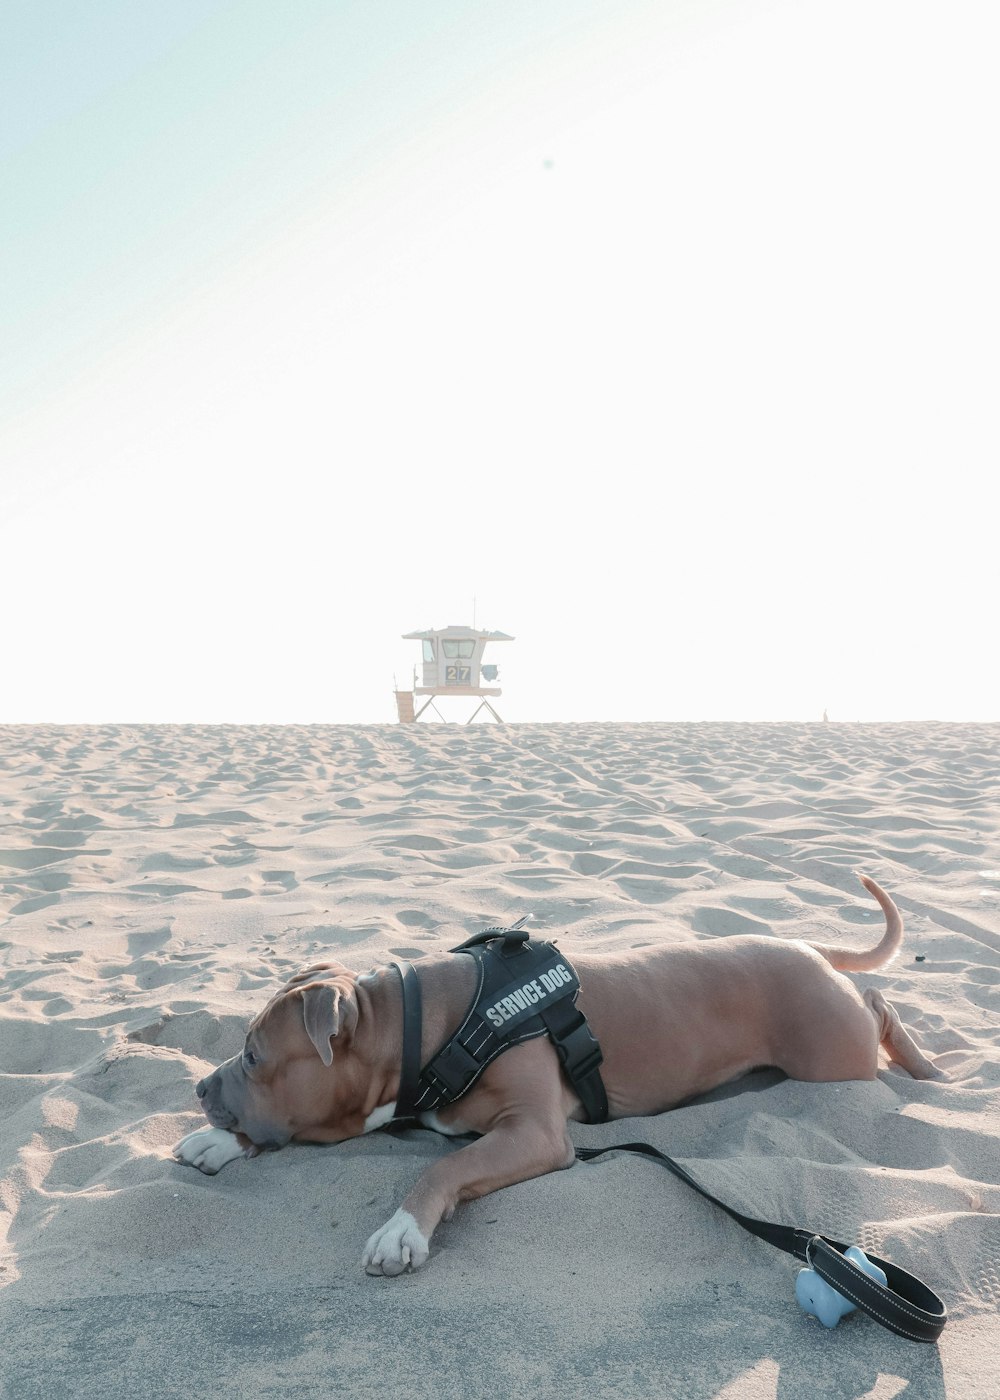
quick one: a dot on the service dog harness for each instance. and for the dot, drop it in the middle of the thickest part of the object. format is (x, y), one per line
(525, 989)
(528, 988)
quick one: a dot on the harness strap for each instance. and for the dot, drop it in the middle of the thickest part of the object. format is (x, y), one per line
(907, 1306)
(412, 1030)
(580, 1056)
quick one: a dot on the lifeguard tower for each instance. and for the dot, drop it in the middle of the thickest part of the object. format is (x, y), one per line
(452, 665)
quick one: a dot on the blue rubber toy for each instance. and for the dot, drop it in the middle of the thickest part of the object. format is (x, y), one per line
(816, 1298)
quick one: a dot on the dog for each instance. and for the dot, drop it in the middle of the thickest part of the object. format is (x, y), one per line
(323, 1061)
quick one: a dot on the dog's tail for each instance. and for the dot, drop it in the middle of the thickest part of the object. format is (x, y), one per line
(851, 959)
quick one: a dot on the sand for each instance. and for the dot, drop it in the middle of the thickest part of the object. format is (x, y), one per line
(158, 883)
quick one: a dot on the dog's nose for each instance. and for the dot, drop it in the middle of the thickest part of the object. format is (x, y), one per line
(201, 1089)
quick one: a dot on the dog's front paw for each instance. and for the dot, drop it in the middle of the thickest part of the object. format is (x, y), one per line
(208, 1149)
(398, 1246)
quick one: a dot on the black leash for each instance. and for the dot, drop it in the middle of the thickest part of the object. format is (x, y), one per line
(907, 1306)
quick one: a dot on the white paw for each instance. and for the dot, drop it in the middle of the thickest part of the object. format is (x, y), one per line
(398, 1246)
(208, 1149)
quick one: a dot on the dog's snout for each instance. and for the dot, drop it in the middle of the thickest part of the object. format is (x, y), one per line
(209, 1087)
(210, 1095)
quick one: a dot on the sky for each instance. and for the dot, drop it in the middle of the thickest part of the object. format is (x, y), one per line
(659, 334)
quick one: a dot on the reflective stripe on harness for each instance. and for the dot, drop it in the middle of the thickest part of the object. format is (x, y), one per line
(525, 989)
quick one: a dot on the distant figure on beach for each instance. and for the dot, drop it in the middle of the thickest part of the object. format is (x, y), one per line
(826, 717)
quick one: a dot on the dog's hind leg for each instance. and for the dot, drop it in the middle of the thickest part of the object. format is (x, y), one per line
(896, 1040)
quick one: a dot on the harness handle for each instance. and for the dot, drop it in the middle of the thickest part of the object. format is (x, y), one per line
(514, 938)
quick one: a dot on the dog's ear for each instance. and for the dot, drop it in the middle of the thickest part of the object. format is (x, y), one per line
(315, 973)
(328, 1009)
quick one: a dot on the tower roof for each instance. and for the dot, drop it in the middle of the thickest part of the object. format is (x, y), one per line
(459, 633)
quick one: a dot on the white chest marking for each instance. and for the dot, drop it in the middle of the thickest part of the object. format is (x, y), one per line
(380, 1117)
(432, 1121)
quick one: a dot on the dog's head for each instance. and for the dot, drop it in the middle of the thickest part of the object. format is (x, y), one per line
(293, 1077)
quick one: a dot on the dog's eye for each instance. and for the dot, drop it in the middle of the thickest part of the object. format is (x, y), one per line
(249, 1059)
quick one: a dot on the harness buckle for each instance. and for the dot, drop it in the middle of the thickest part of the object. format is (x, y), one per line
(579, 1051)
(454, 1068)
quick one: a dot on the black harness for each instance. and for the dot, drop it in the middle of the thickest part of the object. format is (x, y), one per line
(525, 989)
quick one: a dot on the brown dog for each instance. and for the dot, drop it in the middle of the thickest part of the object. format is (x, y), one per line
(322, 1061)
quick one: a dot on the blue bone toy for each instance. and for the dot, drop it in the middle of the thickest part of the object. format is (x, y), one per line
(816, 1297)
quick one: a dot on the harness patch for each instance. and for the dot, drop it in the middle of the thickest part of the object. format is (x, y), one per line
(516, 1005)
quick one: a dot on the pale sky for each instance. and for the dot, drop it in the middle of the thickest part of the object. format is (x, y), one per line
(665, 329)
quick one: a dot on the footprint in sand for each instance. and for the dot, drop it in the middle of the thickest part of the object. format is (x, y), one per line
(983, 987)
(164, 889)
(146, 940)
(200, 1033)
(37, 1047)
(39, 901)
(236, 852)
(725, 922)
(984, 976)
(819, 897)
(48, 881)
(645, 891)
(532, 880)
(38, 856)
(252, 981)
(772, 911)
(747, 867)
(151, 972)
(66, 840)
(168, 863)
(588, 863)
(43, 811)
(76, 1167)
(332, 937)
(414, 918)
(287, 879)
(417, 842)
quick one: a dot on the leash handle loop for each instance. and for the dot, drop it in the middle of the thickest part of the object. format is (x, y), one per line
(907, 1306)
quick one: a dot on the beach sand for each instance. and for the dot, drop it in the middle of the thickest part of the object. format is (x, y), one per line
(157, 884)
